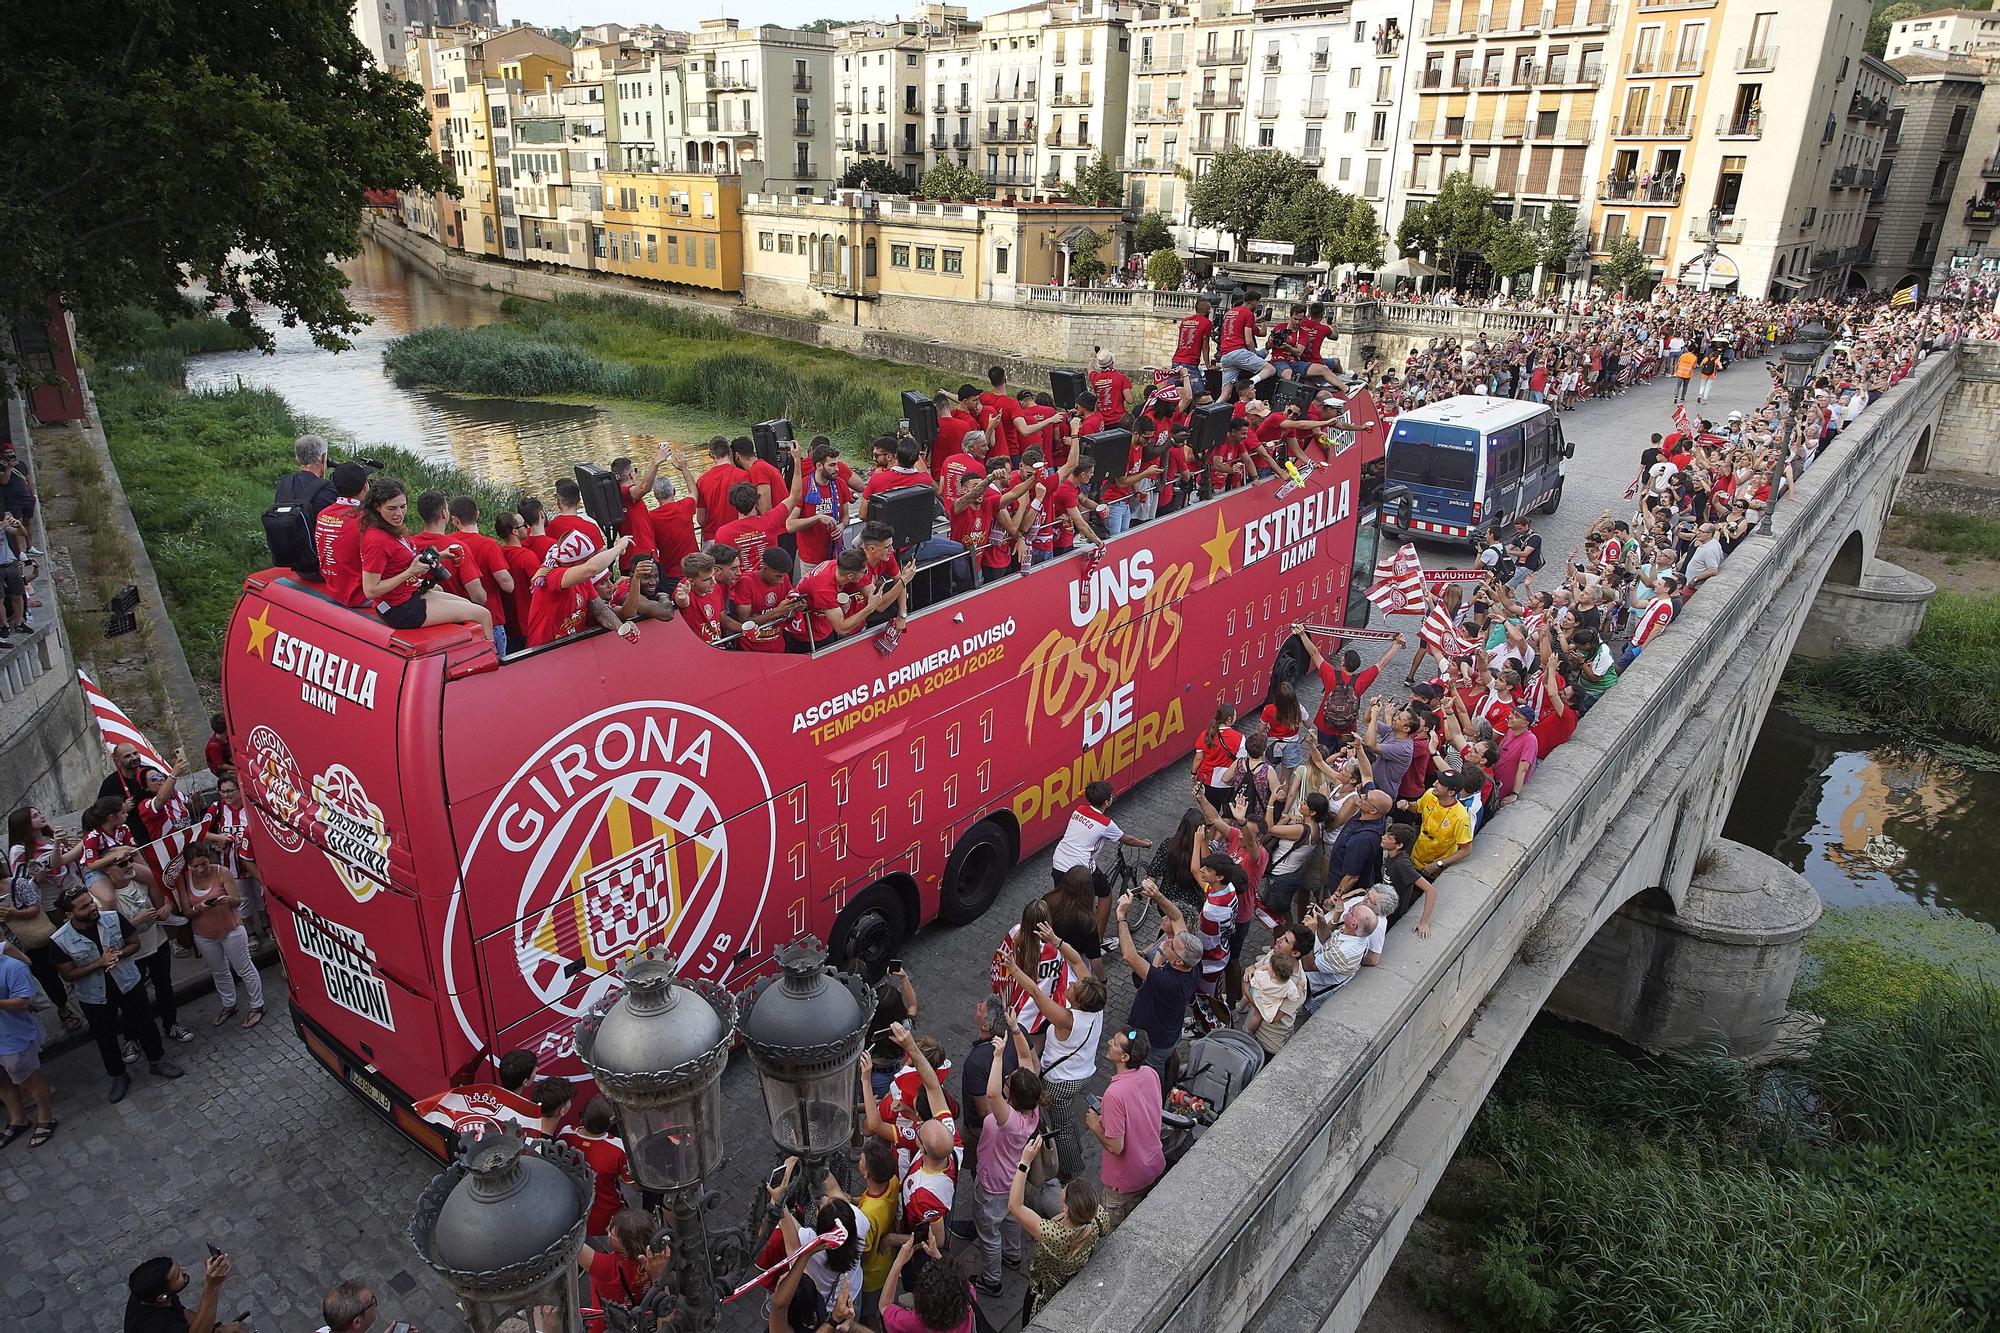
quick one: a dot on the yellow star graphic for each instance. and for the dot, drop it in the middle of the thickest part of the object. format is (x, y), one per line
(1221, 548)
(261, 630)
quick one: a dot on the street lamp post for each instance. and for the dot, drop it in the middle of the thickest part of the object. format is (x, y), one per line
(804, 1029)
(658, 1052)
(1800, 359)
(502, 1226)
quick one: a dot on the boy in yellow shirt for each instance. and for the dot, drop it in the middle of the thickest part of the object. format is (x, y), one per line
(1444, 826)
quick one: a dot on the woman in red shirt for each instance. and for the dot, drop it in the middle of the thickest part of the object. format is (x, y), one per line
(391, 578)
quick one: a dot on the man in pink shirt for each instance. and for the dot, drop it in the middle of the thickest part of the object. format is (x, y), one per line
(1128, 1126)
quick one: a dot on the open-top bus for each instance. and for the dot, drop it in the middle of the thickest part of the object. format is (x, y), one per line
(460, 849)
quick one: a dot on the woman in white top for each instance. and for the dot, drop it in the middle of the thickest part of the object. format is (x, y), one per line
(1070, 1045)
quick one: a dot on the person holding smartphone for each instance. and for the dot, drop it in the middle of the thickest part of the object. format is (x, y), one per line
(153, 1300)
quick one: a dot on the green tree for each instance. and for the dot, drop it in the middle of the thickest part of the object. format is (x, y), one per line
(948, 180)
(1239, 187)
(875, 173)
(1084, 265)
(1302, 211)
(1454, 224)
(228, 142)
(1511, 249)
(1151, 232)
(1355, 237)
(1625, 265)
(1098, 185)
(1557, 235)
(1887, 13)
(1165, 270)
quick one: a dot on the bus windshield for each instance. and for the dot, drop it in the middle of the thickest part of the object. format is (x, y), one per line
(1426, 453)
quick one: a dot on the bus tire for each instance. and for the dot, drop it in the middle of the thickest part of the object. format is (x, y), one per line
(869, 931)
(975, 872)
(1555, 498)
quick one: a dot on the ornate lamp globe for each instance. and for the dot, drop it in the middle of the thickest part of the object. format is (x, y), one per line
(804, 1029)
(502, 1227)
(658, 1052)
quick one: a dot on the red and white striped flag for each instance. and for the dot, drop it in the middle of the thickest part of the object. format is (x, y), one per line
(480, 1108)
(1682, 420)
(1440, 636)
(116, 728)
(1399, 581)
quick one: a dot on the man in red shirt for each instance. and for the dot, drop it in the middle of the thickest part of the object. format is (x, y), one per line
(570, 517)
(1308, 333)
(1061, 519)
(1192, 337)
(825, 499)
(1238, 346)
(638, 595)
(602, 1152)
(535, 527)
(905, 471)
(459, 574)
(483, 564)
(711, 488)
(672, 520)
(337, 535)
(523, 564)
(1340, 706)
(563, 593)
(755, 533)
(1113, 389)
(1008, 427)
(766, 477)
(703, 600)
(954, 420)
(764, 601)
(632, 487)
(834, 600)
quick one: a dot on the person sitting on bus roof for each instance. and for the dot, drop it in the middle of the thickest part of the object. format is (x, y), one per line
(639, 596)
(337, 534)
(763, 600)
(766, 477)
(835, 600)
(564, 591)
(570, 517)
(393, 580)
(711, 489)
(703, 600)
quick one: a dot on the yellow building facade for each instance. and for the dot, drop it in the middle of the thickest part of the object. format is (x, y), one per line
(671, 227)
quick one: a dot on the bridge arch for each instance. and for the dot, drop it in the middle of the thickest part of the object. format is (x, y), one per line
(1920, 457)
(1849, 561)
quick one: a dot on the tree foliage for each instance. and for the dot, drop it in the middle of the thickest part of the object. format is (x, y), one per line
(1276, 197)
(1099, 184)
(1239, 187)
(1152, 232)
(1356, 238)
(1511, 248)
(1165, 270)
(1625, 265)
(1558, 234)
(1084, 264)
(1454, 224)
(948, 180)
(226, 141)
(875, 173)
(1888, 12)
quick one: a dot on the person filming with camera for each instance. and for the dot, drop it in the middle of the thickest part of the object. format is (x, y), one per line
(398, 582)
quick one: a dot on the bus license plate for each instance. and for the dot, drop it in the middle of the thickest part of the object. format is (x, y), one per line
(370, 1091)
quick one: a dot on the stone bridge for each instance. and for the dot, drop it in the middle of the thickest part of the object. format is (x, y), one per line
(1285, 1216)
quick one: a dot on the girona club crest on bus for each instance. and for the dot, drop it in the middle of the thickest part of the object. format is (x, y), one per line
(276, 786)
(621, 834)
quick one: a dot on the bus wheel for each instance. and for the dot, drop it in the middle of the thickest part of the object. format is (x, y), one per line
(975, 872)
(870, 930)
(1555, 498)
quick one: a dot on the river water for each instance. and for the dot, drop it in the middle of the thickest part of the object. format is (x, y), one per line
(509, 441)
(1865, 820)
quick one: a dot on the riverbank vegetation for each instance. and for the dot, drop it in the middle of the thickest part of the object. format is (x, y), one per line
(1945, 686)
(198, 470)
(1853, 1188)
(621, 347)
(1947, 532)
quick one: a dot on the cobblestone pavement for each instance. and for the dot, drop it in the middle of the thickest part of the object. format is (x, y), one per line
(257, 1151)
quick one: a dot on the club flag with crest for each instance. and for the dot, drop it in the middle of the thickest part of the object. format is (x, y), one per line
(1399, 581)
(1440, 636)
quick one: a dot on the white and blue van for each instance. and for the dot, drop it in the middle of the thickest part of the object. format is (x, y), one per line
(1459, 466)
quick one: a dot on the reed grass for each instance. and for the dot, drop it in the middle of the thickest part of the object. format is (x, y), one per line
(1946, 684)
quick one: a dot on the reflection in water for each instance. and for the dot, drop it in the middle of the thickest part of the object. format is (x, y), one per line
(1866, 821)
(506, 441)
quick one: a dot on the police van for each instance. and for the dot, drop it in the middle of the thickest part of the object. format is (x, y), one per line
(1459, 466)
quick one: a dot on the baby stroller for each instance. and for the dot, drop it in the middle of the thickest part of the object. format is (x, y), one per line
(1218, 1067)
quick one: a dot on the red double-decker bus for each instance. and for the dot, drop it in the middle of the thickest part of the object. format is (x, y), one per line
(459, 850)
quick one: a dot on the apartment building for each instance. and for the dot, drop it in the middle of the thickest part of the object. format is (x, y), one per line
(759, 95)
(950, 84)
(1968, 236)
(1931, 114)
(1158, 140)
(482, 79)
(1327, 86)
(673, 227)
(1946, 32)
(432, 213)
(1085, 84)
(384, 26)
(878, 76)
(1514, 93)
(540, 175)
(645, 112)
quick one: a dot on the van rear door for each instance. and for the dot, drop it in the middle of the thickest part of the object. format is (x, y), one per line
(1440, 466)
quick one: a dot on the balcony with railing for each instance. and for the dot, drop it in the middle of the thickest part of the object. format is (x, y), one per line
(1981, 212)
(1630, 189)
(1066, 139)
(1953, 143)
(1650, 127)
(961, 142)
(1272, 61)
(802, 83)
(846, 108)
(1874, 110)
(1071, 99)
(1058, 57)
(1024, 93)
(1749, 125)
(1212, 59)
(962, 105)
(1086, 57)
(1267, 110)
(734, 83)
(1217, 142)
(940, 142)
(1158, 64)
(1007, 134)
(1756, 59)
(1316, 108)
(845, 143)
(940, 106)
(1728, 232)
(1223, 101)
(1051, 179)
(1588, 15)
(1313, 157)
(1010, 178)
(1853, 176)
(802, 127)
(1171, 113)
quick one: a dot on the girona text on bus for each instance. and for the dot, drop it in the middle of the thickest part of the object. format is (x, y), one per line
(460, 850)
